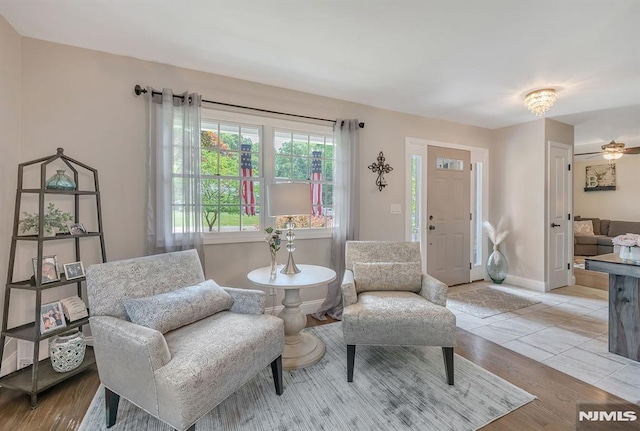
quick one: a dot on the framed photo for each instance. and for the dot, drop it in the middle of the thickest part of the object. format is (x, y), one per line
(73, 270)
(76, 228)
(50, 272)
(51, 317)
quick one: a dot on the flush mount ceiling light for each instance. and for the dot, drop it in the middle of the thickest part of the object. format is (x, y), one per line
(540, 101)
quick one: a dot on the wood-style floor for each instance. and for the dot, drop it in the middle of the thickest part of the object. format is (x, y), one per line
(63, 407)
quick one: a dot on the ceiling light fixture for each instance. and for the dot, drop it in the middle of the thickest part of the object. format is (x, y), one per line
(613, 150)
(540, 101)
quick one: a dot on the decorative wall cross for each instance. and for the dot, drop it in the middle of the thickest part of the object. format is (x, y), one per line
(380, 168)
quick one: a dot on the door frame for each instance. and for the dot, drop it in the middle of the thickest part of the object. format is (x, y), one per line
(478, 155)
(547, 265)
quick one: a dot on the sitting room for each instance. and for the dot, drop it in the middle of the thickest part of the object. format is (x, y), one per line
(297, 216)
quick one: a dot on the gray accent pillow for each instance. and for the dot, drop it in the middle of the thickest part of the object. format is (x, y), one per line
(375, 276)
(171, 310)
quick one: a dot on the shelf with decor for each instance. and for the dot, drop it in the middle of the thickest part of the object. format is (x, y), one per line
(47, 323)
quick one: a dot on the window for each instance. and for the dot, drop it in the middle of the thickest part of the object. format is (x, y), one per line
(240, 155)
(306, 157)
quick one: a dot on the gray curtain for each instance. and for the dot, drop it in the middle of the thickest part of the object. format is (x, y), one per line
(346, 210)
(174, 142)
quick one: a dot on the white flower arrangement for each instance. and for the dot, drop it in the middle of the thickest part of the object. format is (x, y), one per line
(496, 235)
(627, 240)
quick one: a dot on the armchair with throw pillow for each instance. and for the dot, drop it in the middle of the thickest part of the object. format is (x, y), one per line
(172, 343)
(388, 301)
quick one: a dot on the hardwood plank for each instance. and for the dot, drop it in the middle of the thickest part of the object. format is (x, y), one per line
(62, 407)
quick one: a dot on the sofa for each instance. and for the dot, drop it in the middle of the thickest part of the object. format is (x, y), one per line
(597, 241)
(174, 344)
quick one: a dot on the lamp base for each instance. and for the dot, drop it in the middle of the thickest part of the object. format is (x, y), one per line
(290, 268)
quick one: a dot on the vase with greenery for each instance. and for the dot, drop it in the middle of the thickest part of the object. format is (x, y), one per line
(54, 221)
(497, 265)
(274, 240)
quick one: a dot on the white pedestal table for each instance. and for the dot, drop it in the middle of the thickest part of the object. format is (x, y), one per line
(301, 349)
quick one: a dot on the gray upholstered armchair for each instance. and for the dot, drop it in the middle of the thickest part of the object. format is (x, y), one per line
(388, 301)
(172, 343)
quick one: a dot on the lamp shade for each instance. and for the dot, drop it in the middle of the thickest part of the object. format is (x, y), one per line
(289, 199)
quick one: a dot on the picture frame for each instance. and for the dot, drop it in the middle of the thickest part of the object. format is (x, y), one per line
(50, 271)
(76, 228)
(51, 317)
(74, 270)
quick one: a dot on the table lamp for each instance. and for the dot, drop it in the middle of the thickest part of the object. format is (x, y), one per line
(289, 199)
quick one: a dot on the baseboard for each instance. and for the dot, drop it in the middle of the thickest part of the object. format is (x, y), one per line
(308, 307)
(527, 283)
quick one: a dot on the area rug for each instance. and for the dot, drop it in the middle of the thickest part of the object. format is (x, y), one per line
(394, 388)
(484, 302)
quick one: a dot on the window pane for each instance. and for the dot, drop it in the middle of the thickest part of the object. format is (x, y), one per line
(250, 222)
(230, 135)
(210, 160)
(230, 164)
(250, 196)
(300, 145)
(279, 141)
(251, 135)
(300, 168)
(452, 164)
(282, 167)
(230, 193)
(316, 144)
(229, 219)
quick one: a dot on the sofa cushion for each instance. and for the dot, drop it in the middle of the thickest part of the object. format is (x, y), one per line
(596, 224)
(583, 227)
(397, 276)
(604, 240)
(586, 239)
(172, 310)
(604, 227)
(398, 318)
(213, 357)
(622, 227)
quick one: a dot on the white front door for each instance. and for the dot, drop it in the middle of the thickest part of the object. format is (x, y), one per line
(448, 214)
(559, 210)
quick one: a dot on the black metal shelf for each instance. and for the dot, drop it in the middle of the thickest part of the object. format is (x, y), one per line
(40, 375)
(21, 380)
(28, 331)
(59, 192)
(55, 238)
(30, 284)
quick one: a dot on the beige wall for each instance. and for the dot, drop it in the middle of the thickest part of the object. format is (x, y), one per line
(518, 195)
(83, 100)
(10, 98)
(621, 204)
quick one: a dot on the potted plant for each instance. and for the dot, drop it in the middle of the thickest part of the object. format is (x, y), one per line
(54, 221)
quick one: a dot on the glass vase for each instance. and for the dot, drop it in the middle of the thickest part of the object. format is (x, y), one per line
(60, 181)
(497, 267)
(274, 266)
(67, 351)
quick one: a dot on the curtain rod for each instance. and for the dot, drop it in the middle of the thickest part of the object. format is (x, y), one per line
(138, 90)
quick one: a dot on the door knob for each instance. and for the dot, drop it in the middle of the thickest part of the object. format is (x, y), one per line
(555, 225)
(432, 227)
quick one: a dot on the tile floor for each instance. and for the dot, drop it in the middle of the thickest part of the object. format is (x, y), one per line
(567, 330)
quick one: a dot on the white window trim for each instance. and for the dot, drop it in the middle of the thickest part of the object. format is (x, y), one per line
(268, 124)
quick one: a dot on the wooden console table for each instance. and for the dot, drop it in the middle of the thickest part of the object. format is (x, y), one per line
(624, 302)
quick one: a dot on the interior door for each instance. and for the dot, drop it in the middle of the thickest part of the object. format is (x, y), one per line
(448, 214)
(559, 204)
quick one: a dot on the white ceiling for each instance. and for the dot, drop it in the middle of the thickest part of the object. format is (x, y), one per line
(466, 61)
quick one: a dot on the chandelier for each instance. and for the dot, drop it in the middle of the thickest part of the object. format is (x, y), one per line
(540, 101)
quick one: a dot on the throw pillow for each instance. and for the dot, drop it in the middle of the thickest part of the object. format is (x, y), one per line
(171, 310)
(583, 227)
(404, 276)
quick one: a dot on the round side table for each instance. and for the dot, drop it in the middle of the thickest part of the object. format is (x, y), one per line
(301, 349)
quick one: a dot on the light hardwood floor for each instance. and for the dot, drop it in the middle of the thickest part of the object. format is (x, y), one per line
(63, 406)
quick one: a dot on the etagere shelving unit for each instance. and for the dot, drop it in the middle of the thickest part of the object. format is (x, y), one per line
(40, 375)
